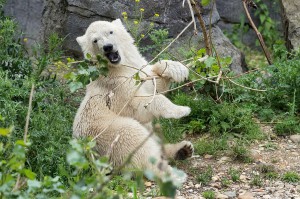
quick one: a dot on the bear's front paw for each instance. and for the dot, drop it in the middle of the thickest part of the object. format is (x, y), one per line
(186, 151)
(171, 69)
(178, 112)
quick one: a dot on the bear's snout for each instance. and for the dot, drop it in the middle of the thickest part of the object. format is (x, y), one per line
(108, 48)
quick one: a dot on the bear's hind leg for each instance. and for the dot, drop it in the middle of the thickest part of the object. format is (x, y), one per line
(136, 142)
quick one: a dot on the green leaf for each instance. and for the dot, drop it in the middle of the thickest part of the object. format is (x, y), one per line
(21, 143)
(29, 174)
(101, 60)
(88, 56)
(34, 184)
(103, 71)
(201, 52)
(70, 76)
(74, 86)
(205, 2)
(6, 131)
(262, 18)
(209, 62)
(137, 77)
(74, 158)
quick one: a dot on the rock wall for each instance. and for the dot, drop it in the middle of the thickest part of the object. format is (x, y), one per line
(39, 18)
(291, 23)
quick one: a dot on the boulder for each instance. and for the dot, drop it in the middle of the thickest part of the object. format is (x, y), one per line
(38, 19)
(291, 19)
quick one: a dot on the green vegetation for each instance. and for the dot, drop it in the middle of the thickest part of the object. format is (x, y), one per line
(234, 174)
(291, 176)
(224, 119)
(209, 194)
(206, 175)
(256, 181)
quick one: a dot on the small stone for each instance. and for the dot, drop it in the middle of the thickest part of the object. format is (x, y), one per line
(295, 138)
(197, 186)
(221, 196)
(230, 194)
(148, 184)
(190, 184)
(215, 178)
(216, 185)
(266, 197)
(180, 197)
(243, 178)
(246, 195)
(208, 156)
(224, 159)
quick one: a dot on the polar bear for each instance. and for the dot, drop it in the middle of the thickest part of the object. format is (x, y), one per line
(118, 112)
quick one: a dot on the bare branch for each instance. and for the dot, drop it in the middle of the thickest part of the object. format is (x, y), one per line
(171, 42)
(259, 36)
(154, 92)
(202, 24)
(253, 89)
(18, 185)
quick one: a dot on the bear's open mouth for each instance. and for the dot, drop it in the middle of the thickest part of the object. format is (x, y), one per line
(113, 57)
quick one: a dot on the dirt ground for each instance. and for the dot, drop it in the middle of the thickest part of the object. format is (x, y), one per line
(263, 178)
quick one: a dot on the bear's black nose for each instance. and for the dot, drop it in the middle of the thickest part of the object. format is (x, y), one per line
(108, 48)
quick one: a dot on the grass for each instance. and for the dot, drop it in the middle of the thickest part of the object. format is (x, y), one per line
(234, 174)
(205, 177)
(291, 176)
(241, 153)
(209, 194)
(256, 181)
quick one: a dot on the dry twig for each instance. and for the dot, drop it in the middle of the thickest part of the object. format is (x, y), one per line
(259, 36)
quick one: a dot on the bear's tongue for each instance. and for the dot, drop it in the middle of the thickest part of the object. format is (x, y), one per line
(113, 57)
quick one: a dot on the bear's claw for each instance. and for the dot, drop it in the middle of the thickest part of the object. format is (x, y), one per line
(185, 152)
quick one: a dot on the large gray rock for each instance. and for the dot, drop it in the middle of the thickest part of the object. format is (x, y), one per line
(291, 22)
(39, 18)
(28, 14)
(221, 43)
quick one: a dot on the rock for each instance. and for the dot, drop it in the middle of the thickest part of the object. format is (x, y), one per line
(291, 18)
(197, 186)
(246, 195)
(215, 178)
(221, 196)
(267, 197)
(208, 156)
(243, 178)
(224, 159)
(70, 18)
(148, 184)
(230, 194)
(296, 138)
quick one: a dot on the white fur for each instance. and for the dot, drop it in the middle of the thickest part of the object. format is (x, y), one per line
(94, 115)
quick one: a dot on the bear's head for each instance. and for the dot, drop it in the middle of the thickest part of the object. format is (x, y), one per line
(106, 38)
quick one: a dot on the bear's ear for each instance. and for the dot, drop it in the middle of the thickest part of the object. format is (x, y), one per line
(84, 44)
(82, 41)
(117, 22)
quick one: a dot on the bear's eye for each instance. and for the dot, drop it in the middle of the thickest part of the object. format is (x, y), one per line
(111, 32)
(95, 41)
